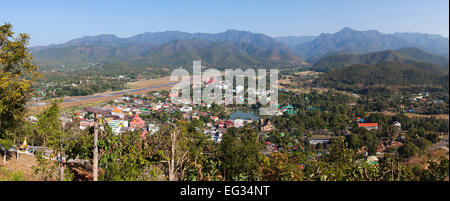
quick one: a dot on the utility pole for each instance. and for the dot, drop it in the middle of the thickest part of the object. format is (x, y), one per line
(95, 160)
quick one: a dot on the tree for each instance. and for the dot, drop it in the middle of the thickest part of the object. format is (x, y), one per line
(391, 169)
(281, 168)
(355, 142)
(95, 150)
(436, 171)
(16, 75)
(240, 153)
(49, 124)
(407, 150)
(124, 158)
(171, 146)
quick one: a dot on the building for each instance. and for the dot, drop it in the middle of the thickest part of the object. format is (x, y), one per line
(238, 123)
(152, 128)
(186, 109)
(288, 109)
(368, 126)
(372, 159)
(115, 126)
(397, 125)
(85, 124)
(117, 112)
(229, 124)
(360, 119)
(137, 122)
(319, 140)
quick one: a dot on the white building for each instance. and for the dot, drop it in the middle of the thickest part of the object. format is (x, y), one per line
(152, 129)
(397, 125)
(238, 123)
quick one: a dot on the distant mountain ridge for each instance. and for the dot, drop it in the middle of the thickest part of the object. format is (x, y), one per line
(215, 54)
(293, 41)
(360, 42)
(228, 48)
(111, 49)
(403, 55)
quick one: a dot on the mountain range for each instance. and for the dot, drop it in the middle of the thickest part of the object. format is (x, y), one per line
(231, 48)
(359, 42)
(169, 49)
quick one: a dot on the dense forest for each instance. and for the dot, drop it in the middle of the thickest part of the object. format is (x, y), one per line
(404, 55)
(385, 75)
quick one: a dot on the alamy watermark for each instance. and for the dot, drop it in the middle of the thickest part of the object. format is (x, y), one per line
(209, 87)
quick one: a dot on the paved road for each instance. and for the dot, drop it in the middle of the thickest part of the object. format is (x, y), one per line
(107, 95)
(443, 144)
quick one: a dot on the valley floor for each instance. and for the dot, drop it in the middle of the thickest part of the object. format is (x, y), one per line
(140, 87)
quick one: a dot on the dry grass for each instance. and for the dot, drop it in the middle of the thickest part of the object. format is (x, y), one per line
(308, 73)
(438, 116)
(23, 165)
(422, 161)
(411, 115)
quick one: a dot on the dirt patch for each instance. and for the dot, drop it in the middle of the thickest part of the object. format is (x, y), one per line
(411, 115)
(13, 165)
(422, 160)
(437, 116)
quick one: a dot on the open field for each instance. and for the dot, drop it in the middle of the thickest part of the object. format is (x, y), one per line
(411, 115)
(139, 87)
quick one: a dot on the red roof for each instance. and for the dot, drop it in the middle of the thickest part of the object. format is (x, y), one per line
(367, 124)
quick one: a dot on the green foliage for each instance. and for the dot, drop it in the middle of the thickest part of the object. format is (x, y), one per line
(124, 158)
(12, 176)
(362, 77)
(404, 55)
(407, 150)
(45, 169)
(240, 153)
(16, 75)
(436, 171)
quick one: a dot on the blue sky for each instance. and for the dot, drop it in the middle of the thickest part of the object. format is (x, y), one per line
(51, 22)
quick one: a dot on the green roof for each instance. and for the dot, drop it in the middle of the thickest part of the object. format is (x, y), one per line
(288, 107)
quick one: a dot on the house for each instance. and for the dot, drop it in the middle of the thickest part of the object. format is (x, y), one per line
(115, 126)
(368, 126)
(220, 124)
(215, 118)
(152, 128)
(359, 119)
(397, 124)
(319, 140)
(33, 119)
(288, 109)
(84, 124)
(229, 124)
(238, 123)
(116, 112)
(372, 159)
(186, 109)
